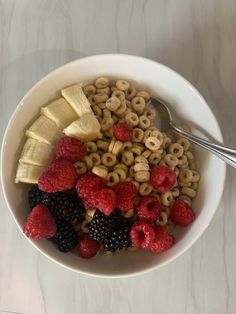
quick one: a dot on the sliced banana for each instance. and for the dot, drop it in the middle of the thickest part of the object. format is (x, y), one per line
(60, 112)
(86, 128)
(77, 99)
(37, 153)
(28, 173)
(44, 130)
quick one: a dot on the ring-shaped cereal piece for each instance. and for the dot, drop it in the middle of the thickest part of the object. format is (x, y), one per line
(138, 104)
(131, 171)
(146, 153)
(136, 151)
(102, 105)
(122, 85)
(117, 147)
(184, 143)
(141, 166)
(126, 146)
(88, 161)
(121, 173)
(122, 166)
(106, 113)
(185, 176)
(166, 141)
(142, 176)
(130, 92)
(128, 103)
(105, 90)
(138, 135)
(182, 160)
(175, 191)
(167, 198)
(80, 167)
(107, 123)
(171, 160)
(111, 145)
(119, 94)
(103, 145)
(150, 114)
(97, 110)
(100, 97)
(91, 100)
(114, 118)
(121, 110)
(145, 189)
(112, 178)
(152, 143)
(91, 147)
(144, 122)
(127, 158)
(102, 82)
(89, 89)
(132, 119)
(141, 159)
(96, 159)
(196, 176)
(128, 214)
(185, 198)
(113, 103)
(189, 192)
(100, 171)
(154, 158)
(108, 133)
(162, 219)
(108, 159)
(144, 94)
(176, 149)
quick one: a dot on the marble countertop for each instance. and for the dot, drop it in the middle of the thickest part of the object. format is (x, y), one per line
(195, 38)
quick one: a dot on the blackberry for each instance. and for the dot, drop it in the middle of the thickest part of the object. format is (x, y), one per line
(119, 237)
(64, 205)
(66, 239)
(35, 196)
(101, 225)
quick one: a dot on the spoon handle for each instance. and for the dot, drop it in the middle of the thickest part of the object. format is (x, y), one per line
(225, 153)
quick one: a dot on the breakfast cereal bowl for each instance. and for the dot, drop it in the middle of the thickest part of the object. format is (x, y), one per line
(159, 80)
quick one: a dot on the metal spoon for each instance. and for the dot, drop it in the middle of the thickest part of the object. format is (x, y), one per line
(166, 120)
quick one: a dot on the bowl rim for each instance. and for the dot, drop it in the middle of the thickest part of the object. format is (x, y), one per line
(70, 64)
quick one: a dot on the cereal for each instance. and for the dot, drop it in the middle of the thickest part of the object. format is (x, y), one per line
(132, 119)
(145, 95)
(184, 143)
(102, 82)
(121, 173)
(80, 167)
(138, 104)
(142, 176)
(107, 123)
(119, 94)
(113, 103)
(112, 178)
(141, 166)
(105, 90)
(108, 159)
(103, 145)
(130, 213)
(150, 114)
(127, 158)
(97, 110)
(91, 147)
(154, 158)
(96, 159)
(89, 90)
(145, 189)
(121, 166)
(100, 97)
(138, 135)
(144, 122)
(122, 85)
(152, 143)
(88, 161)
(146, 153)
(171, 160)
(141, 159)
(130, 92)
(100, 171)
(121, 110)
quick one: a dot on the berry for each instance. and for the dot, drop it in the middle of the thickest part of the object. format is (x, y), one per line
(162, 178)
(71, 149)
(125, 192)
(101, 225)
(65, 238)
(64, 205)
(181, 213)
(142, 234)
(61, 175)
(149, 209)
(163, 240)
(34, 196)
(87, 184)
(122, 132)
(119, 238)
(105, 200)
(40, 223)
(87, 247)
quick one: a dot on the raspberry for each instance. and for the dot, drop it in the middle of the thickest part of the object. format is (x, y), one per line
(87, 247)
(105, 200)
(163, 240)
(181, 213)
(142, 234)
(149, 209)
(71, 149)
(40, 223)
(87, 184)
(61, 175)
(125, 192)
(122, 132)
(162, 178)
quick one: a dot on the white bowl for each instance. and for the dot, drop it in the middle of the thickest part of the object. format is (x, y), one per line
(161, 80)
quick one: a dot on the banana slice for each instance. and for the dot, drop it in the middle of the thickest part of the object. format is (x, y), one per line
(77, 99)
(60, 112)
(37, 153)
(28, 173)
(44, 130)
(86, 128)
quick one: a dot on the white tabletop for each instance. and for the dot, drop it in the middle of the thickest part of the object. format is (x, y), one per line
(195, 38)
